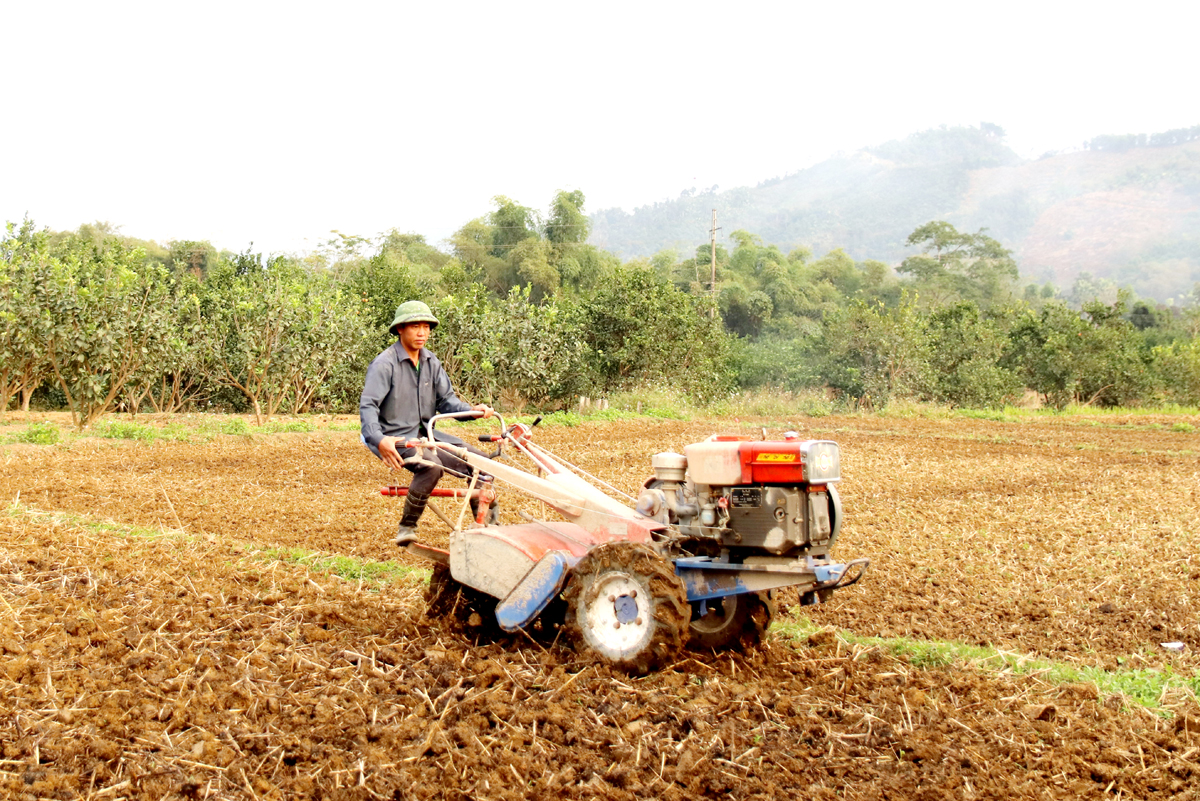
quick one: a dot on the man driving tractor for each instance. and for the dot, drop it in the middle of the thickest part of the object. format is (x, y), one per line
(406, 385)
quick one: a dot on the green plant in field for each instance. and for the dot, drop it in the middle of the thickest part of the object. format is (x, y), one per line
(568, 419)
(40, 434)
(234, 426)
(995, 415)
(611, 414)
(1184, 428)
(174, 432)
(287, 427)
(1146, 686)
(124, 429)
(348, 567)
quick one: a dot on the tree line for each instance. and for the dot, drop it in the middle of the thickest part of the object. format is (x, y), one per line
(1119, 143)
(533, 315)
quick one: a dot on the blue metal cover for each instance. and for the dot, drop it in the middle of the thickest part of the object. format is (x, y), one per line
(533, 592)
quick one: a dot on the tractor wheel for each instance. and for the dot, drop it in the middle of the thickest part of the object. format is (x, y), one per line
(626, 606)
(733, 621)
(462, 608)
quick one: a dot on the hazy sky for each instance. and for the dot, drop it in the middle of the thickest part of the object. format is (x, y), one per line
(277, 122)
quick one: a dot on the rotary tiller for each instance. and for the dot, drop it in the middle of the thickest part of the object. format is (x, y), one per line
(694, 559)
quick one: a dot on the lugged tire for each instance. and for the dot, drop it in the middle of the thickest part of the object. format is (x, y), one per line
(627, 580)
(735, 621)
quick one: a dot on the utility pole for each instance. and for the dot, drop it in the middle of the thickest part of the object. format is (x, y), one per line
(713, 284)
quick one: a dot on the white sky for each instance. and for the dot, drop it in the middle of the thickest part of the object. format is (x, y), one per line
(275, 122)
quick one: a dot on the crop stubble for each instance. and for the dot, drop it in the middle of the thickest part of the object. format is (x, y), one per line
(182, 665)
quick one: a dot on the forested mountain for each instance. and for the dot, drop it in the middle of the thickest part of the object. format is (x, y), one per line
(1125, 209)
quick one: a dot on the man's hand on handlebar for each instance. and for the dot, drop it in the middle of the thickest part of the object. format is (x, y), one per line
(387, 451)
(484, 410)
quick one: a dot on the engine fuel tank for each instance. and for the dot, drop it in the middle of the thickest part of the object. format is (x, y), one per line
(725, 461)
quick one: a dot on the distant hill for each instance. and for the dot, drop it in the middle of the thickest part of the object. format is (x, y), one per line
(1127, 209)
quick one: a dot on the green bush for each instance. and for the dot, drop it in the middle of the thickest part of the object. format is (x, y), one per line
(234, 426)
(568, 419)
(40, 434)
(1178, 368)
(287, 427)
(788, 364)
(124, 429)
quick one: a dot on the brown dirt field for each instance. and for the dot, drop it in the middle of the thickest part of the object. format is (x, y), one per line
(178, 661)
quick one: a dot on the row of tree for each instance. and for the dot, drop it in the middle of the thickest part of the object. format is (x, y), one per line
(533, 315)
(1119, 143)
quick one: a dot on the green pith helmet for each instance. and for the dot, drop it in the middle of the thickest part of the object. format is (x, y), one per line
(413, 311)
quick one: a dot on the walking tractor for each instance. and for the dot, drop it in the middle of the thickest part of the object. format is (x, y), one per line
(694, 559)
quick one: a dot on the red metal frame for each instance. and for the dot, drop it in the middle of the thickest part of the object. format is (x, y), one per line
(484, 493)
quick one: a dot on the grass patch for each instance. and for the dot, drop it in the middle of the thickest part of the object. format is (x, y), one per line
(348, 567)
(1075, 409)
(1184, 428)
(124, 429)
(779, 404)
(568, 419)
(1145, 686)
(39, 434)
(294, 426)
(1005, 415)
(667, 413)
(221, 424)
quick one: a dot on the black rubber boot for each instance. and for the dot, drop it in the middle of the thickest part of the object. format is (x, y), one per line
(405, 535)
(414, 507)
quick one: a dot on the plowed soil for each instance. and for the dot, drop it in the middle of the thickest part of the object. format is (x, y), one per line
(160, 637)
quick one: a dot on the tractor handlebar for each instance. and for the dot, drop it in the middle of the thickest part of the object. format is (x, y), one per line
(433, 421)
(506, 431)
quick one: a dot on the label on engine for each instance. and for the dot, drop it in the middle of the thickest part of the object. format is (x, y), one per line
(776, 457)
(745, 497)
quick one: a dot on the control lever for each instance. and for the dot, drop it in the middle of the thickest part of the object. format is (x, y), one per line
(493, 438)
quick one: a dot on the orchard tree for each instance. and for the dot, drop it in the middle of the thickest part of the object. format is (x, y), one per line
(273, 331)
(25, 324)
(1178, 368)
(179, 375)
(462, 339)
(1089, 357)
(964, 352)
(538, 351)
(378, 285)
(873, 353)
(110, 314)
(640, 329)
